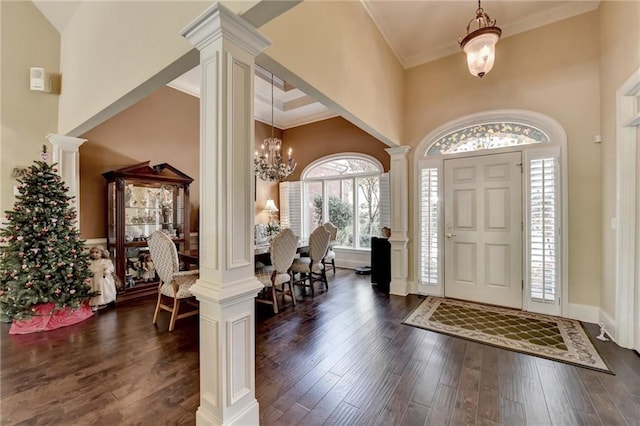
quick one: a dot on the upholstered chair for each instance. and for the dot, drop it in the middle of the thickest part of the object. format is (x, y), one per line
(276, 277)
(174, 285)
(330, 257)
(311, 269)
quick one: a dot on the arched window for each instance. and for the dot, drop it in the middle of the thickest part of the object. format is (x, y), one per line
(483, 136)
(347, 190)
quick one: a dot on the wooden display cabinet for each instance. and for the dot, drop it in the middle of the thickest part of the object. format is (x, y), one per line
(142, 199)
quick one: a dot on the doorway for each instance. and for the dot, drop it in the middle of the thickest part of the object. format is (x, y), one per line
(483, 229)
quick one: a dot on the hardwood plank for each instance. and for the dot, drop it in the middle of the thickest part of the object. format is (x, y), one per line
(400, 399)
(346, 344)
(473, 356)
(489, 405)
(466, 405)
(415, 415)
(342, 415)
(292, 416)
(602, 402)
(512, 412)
(427, 383)
(535, 406)
(442, 408)
(318, 390)
(453, 366)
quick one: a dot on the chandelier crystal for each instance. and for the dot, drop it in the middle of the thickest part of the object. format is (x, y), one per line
(269, 165)
(480, 44)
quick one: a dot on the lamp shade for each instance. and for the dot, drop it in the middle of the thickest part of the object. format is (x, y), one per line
(270, 206)
(480, 44)
(481, 52)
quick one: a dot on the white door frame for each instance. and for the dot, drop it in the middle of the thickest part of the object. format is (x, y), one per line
(421, 160)
(627, 315)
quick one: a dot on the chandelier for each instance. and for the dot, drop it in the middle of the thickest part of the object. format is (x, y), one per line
(480, 44)
(269, 165)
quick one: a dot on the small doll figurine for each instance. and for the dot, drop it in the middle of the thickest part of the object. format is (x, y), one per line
(103, 281)
(148, 270)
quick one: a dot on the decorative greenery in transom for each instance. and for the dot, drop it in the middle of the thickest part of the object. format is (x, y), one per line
(487, 136)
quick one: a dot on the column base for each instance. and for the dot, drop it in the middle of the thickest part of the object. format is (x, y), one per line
(399, 288)
(249, 416)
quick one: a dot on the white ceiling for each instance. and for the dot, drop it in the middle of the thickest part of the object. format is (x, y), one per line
(422, 31)
(417, 31)
(291, 107)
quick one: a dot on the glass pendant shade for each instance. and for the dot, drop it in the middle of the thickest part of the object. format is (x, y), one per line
(481, 53)
(480, 44)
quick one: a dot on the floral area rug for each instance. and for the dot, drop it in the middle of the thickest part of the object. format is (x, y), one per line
(559, 339)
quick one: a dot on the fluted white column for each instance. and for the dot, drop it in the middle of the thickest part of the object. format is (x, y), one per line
(399, 182)
(227, 286)
(66, 152)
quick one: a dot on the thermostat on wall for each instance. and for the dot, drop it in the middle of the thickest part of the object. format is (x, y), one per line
(38, 80)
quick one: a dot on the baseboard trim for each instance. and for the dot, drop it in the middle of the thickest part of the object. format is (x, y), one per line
(348, 264)
(585, 313)
(609, 325)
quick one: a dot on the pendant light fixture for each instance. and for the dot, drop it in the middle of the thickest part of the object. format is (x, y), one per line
(269, 165)
(480, 44)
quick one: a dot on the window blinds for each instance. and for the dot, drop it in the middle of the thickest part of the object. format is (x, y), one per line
(543, 237)
(429, 273)
(385, 201)
(291, 206)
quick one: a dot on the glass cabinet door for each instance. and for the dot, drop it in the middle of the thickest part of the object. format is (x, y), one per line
(150, 209)
(144, 199)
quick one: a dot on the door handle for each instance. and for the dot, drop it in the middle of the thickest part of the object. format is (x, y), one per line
(450, 235)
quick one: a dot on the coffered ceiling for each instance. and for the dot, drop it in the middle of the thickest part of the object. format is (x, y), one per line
(291, 107)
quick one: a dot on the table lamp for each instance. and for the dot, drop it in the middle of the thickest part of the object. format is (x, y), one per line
(271, 209)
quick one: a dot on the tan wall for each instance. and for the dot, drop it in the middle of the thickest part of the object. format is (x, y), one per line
(552, 70)
(619, 24)
(111, 48)
(28, 40)
(313, 141)
(331, 136)
(162, 128)
(336, 48)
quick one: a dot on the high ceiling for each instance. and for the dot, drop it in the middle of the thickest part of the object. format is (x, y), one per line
(426, 30)
(417, 31)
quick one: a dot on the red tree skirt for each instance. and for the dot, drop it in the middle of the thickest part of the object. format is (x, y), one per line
(45, 320)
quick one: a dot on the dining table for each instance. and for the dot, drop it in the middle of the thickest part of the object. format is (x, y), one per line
(261, 254)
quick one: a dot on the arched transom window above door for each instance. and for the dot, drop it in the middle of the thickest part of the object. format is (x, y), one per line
(479, 137)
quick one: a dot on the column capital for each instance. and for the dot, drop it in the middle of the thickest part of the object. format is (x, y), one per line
(66, 154)
(398, 150)
(219, 22)
(65, 143)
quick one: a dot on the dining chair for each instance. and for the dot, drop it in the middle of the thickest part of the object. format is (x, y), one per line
(311, 268)
(174, 284)
(330, 257)
(277, 276)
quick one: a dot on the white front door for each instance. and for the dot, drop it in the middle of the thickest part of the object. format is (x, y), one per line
(483, 229)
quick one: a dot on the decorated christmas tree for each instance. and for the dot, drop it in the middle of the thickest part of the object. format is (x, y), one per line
(42, 258)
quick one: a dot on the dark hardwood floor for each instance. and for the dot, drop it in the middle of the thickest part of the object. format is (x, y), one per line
(342, 357)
